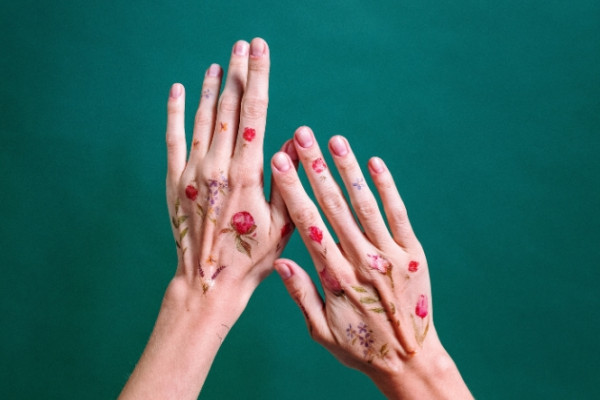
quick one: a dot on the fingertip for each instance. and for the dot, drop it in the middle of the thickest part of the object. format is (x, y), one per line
(376, 166)
(304, 137)
(283, 269)
(281, 162)
(176, 91)
(258, 48)
(214, 70)
(240, 48)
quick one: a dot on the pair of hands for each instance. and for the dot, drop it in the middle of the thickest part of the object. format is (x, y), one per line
(376, 314)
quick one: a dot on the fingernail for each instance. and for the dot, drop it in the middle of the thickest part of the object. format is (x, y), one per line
(176, 90)
(257, 48)
(290, 149)
(283, 270)
(304, 138)
(214, 70)
(338, 146)
(281, 162)
(376, 165)
(240, 48)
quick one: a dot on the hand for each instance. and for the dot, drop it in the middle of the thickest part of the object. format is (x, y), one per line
(226, 234)
(377, 313)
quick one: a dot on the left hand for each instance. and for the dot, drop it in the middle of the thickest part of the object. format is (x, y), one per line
(227, 234)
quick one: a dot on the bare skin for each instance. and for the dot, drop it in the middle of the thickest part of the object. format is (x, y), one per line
(377, 313)
(226, 233)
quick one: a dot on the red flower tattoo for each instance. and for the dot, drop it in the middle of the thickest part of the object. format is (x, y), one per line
(287, 228)
(191, 192)
(242, 226)
(319, 165)
(330, 282)
(315, 234)
(413, 266)
(249, 134)
(242, 222)
(422, 307)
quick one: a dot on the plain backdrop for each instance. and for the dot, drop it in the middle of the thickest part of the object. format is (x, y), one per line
(487, 112)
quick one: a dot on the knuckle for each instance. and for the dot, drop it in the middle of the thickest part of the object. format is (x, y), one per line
(366, 208)
(262, 67)
(242, 176)
(332, 203)
(229, 102)
(254, 107)
(203, 119)
(303, 216)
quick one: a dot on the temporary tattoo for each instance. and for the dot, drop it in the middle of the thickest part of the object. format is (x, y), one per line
(242, 226)
(211, 260)
(200, 269)
(218, 271)
(319, 165)
(330, 282)
(378, 263)
(365, 338)
(177, 221)
(310, 328)
(315, 234)
(191, 192)
(421, 310)
(223, 126)
(216, 188)
(359, 183)
(369, 299)
(287, 228)
(413, 266)
(249, 134)
(206, 94)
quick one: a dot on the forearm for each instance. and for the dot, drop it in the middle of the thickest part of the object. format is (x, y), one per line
(430, 374)
(185, 340)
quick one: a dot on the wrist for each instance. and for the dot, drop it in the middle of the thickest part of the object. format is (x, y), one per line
(431, 373)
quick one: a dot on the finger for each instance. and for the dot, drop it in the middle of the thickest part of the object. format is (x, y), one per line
(304, 292)
(253, 117)
(175, 137)
(393, 205)
(204, 123)
(326, 190)
(304, 213)
(228, 108)
(276, 200)
(362, 199)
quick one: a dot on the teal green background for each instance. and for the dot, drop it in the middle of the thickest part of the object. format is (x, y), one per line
(487, 112)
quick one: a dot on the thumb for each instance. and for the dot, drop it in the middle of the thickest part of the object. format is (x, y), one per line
(304, 292)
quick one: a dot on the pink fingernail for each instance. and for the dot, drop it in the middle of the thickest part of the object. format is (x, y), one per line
(281, 162)
(338, 146)
(376, 165)
(176, 90)
(240, 49)
(304, 138)
(257, 48)
(290, 149)
(283, 270)
(214, 70)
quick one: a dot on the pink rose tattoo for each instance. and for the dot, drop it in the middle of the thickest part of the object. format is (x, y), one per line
(379, 263)
(330, 282)
(319, 165)
(422, 307)
(242, 226)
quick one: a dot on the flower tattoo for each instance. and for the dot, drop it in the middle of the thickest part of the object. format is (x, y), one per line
(242, 227)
